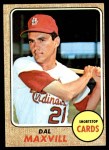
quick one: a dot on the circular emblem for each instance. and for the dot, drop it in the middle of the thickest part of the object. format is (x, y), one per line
(87, 126)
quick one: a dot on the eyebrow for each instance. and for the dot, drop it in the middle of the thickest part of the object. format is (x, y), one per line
(39, 38)
(30, 39)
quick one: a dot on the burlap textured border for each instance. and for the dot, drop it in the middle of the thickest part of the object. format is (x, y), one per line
(15, 136)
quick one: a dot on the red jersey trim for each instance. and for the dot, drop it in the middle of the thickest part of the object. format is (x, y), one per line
(36, 80)
(82, 105)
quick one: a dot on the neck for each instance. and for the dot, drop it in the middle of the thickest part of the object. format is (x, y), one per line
(48, 66)
(49, 63)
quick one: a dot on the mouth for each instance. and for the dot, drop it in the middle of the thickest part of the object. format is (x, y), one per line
(36, 53)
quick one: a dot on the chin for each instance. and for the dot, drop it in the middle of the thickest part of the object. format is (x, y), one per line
(39, 61)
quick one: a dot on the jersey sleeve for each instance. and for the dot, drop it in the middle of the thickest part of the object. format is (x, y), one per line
(32, 74)
(82, 104)
(36, 80)
(25, 64)
(82, 95)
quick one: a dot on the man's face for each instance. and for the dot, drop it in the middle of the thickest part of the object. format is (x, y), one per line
(42, 46)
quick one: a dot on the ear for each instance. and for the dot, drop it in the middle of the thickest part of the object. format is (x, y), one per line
(57, 41)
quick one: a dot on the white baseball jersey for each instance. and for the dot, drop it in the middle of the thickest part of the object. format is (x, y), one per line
(41, 108)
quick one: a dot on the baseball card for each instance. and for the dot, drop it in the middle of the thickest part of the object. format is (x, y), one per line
(54, 60)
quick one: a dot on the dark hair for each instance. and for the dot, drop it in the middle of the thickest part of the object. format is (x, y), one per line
(53, 35)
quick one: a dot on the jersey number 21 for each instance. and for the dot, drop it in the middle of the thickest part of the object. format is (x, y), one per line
(56, 115)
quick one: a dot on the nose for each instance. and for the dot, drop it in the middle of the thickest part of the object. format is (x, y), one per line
(36, 44)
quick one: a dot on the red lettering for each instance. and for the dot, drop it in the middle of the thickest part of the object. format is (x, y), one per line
(83, 129)
(28, 138)
(64, 138)
(88, 128)
(43, 138)
(92, 128)
(78, 128)
(36, 139)
(51, 138)
(97, 128)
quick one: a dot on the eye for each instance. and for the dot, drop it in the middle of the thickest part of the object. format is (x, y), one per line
(30, 41)
(41, 39)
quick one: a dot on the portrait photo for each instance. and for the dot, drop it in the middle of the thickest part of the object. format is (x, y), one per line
(76, 48)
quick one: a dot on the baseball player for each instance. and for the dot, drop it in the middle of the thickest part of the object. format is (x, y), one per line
(42, 86)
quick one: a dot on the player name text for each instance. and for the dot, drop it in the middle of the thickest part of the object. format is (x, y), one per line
(45, 138)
